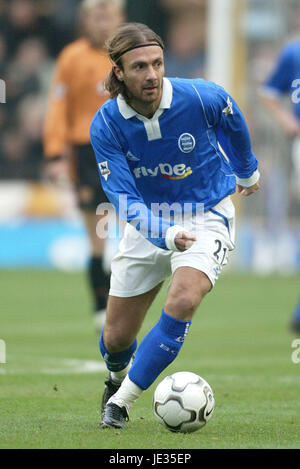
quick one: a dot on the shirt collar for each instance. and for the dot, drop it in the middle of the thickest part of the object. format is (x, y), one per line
(165, 103)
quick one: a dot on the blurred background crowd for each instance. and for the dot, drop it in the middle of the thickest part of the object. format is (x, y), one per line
(32, 34)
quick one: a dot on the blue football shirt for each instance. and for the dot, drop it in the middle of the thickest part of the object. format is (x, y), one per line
(175, 156)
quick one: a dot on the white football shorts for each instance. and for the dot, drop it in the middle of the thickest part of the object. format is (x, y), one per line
(139, 266)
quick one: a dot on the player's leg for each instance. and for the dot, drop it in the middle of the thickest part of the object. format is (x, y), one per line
(99, 278)
(160, 346)
(163, 343)
(188, 288)
(90, 194)
(125, 317)
(194, 274)
(138, 270)
(118, 343)
(118, 338)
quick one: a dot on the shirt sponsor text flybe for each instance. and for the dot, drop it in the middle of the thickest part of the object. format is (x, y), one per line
(167, 171)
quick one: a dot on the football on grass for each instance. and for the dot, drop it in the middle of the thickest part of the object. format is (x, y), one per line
(183, 402)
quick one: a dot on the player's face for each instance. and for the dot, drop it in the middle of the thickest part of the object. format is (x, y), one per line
(101, 21)
(142, 73)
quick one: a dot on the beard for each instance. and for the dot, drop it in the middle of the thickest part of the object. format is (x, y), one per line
(149, 93)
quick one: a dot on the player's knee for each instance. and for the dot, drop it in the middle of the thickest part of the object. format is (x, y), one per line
(182, 305)
(186, 295)
(116, 341)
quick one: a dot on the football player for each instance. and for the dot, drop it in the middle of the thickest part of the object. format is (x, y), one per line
(76, 93)
(285, 80)
(157, 147)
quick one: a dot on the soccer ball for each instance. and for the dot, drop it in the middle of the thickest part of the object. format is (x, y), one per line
(183, 402)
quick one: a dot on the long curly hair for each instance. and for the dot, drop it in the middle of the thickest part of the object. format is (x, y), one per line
(128, 35)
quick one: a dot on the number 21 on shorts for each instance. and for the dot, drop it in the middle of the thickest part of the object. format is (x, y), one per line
(220, 252)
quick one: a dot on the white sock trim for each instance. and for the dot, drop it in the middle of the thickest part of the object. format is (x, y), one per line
(127, 394)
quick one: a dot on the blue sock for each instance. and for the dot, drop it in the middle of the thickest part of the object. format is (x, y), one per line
(158, 349)
(297, 312)
(116, 361)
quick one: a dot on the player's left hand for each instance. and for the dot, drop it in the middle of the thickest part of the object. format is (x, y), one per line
(247, 190)
(184, 240)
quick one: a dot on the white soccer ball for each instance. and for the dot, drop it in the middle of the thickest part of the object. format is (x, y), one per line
(183, 402)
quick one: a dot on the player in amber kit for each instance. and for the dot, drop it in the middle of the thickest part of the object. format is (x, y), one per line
(76, 94)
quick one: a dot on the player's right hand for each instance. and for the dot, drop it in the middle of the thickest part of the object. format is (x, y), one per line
(247, 190)
(184, 240)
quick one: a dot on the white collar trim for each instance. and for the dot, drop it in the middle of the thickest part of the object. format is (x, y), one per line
(165, 103)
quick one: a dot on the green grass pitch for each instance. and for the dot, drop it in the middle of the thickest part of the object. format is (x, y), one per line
(239, 342)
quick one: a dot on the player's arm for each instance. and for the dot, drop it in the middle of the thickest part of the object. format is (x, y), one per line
(285, 118)
(224, 115)
(120, 188)
(274, 88)
(56, 148)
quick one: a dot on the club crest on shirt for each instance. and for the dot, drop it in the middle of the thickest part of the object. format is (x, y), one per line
(186, 143)
(105, 172)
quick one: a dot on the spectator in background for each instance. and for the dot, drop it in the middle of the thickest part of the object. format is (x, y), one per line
(2, 54)
(76, 94)
(29, 72)
(27, 78)
(185, 54)
(30, 123)
(64, 13)
(150, 12)
(14, 162)
(21, 143)
(29, 39)
(181, 24)
(24, 19)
